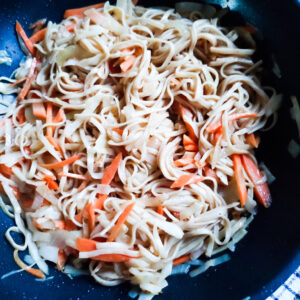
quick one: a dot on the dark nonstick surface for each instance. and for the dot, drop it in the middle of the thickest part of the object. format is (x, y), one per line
(271, 250)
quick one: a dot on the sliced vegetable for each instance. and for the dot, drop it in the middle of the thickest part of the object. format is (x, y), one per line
(121, 220)
(182, 259)
(38, 36)
(21, 116)
(160, 210)
(187, 117)
(111, 170)
(54, 143)
(85, 245)
(51, 183)
(49, 117)
(5, 171)
(128, 63)
(100, 201)
(39, 110)
(189, 144)
(63, 163)
(29, 79)
(239, 178)
(113, 257)
(25, 38)
(186, 179)
(212, 128)
(59, 116)
(61, 259)
(252, 140)
(79, 12)
(261, 190)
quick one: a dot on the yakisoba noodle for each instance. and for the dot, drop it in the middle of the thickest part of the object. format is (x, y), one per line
(130, 146)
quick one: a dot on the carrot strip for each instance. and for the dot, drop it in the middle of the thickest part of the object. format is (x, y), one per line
(189, 144)
(112, 257)
(21, 116)
(70, 27)
(252, 140)
(79, 12)
(38, 36)
(111, 170)
(50, 182)
(89, 214)
(39, 110)
(25, 38)
(49, 117)
(186, 159)
(239, 178)
(78, 217)
(61, 164)
(121, 220)
(59, 224)
(85, 245)
(187, 116)
(160, 210)
(29, 79)
(61, 259)
(5, 171)
(17, 82)
(208, 172)
(182, 259)
(261, 190)
(128, 63)
(119, 131)
(59, 116)
(69, 225)
(212, 128)
(22, 265)
(100, 201)
(186, 180)
(54, 143)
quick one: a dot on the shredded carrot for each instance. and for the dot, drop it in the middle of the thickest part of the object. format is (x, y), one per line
(61, 259)
(79, 12)
(252, 140)
(208, 172)
(59, 224)
(70, 27)
(85, 245)
(21, 115)
(183, 162)
(78, 217)
(111, 170)
(54, 143)
(22, 265)
(239, 178)
(49, 117)
(61, 164)
(119, 131)
(69, 225)
(112, 257)
(261, 190)
(50, 182)
(100, 201)
(59, 116)
(121, 220)
(29, 79)
(160, 210)
(5, 171)
(182, 259)
(17, 82)
(36, 26)
(38, 36)
(82, 186)
(186, 180)
(187, 116)
(128, 63)
(212, 128)
(25, 38)
(39, 110)
(189, 144)
(89, 215)
(217, 135)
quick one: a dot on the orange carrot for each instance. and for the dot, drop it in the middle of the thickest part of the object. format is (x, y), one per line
(29, 79)
(119, 131)
(89, 214)
(50, 182)
(70, 27)
(59, 116)
(39, 110)
(261, 190)
(186, 159)
(212, 128)
(54, 143)
(112, 257)
(21, 116)
(69, 225)
(59, 224)
(38, 36)
(111, 170)
(78, 217)
(187, 116)
(182, 259)
(239, 178)
(79, 12)
(186, 180)
(61, 259)
(189, 144)
(121, 220)
(49, 117)
(208, 172)
(85, 245)
(5, 171)
(218, 135)
(160, 210)
(252, 140)
(61, 164)
(128, 63)
(17, 82)
(25, 38)
(100, 201)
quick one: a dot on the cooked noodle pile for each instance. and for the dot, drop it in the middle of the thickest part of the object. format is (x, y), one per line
(130, 146)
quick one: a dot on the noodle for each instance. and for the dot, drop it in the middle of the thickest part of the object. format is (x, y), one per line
(178, 99)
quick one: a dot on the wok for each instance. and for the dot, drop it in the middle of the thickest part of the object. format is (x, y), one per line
(270, 252)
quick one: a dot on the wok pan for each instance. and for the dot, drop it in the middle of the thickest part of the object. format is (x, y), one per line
(270, 252)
